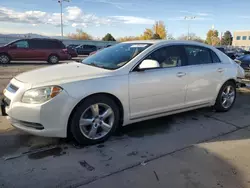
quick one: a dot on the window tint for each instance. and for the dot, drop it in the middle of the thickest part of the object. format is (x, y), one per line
(90, 47)
(46, 44)
(22, 44)
(198, 55)
(238, 38)
(170, 56)
(244, 38)
(215, 57)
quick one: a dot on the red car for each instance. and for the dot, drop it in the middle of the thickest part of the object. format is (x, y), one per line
(50, 50)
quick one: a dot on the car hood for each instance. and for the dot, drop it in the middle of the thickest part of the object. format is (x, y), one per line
(62, 73)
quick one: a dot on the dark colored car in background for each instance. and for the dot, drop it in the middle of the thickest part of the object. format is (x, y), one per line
(229, 54)
(35, 49)
(73, 46)
(85, 49)
(244, 62)
(99, 49)
(72, 50)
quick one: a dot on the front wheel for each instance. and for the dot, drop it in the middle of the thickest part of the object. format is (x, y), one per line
(4, 59)
(94, 120)
(226, 97)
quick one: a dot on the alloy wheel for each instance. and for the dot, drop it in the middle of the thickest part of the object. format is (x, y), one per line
(96, 121)
(4, 59)
(228, 97)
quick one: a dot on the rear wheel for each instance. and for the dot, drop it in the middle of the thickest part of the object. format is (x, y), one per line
(4, 59)
(94, 120)
(226, 97)
(53, 59)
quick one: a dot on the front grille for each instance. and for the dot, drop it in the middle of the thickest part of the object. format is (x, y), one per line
(12, 88)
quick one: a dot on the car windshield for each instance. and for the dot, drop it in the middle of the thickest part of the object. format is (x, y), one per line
(115, 56)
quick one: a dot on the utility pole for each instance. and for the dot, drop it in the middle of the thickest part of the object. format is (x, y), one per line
(61, 6)
(189, 18)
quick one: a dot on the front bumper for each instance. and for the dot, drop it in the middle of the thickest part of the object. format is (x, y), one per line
(47, 119)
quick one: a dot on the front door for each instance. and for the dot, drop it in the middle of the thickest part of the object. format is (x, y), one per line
(21, 51)
(205, 74)
(156, 91)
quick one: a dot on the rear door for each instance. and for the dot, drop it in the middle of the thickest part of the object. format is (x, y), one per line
(39, 49)
(21, 52)
(205, 72)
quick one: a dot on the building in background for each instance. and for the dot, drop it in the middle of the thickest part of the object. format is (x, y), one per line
(242, 39)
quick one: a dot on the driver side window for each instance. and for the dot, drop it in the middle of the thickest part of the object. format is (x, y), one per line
(169, 56)
(22, 44)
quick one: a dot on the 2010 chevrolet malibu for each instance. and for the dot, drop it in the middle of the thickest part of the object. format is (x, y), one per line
(120, 85)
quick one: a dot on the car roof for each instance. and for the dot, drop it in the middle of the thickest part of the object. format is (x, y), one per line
(187, 42)
(50, 39)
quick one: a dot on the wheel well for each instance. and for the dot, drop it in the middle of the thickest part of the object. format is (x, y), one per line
(117, 101)
(231, 80)
(54, 55)
(5, 54)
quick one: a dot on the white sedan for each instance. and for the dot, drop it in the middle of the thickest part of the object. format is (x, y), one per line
(126, 83)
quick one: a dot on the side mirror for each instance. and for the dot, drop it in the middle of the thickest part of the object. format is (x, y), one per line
(13, 46)
(149, 64)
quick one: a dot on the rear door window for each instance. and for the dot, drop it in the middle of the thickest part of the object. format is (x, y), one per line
(56, 45)
(38, 44)
(198, 55)
(215, 58)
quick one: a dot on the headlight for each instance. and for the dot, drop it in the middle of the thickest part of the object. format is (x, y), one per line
(41, 95)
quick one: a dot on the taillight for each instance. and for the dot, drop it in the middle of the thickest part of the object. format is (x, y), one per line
(65, 51)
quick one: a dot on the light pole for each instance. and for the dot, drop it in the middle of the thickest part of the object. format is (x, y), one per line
(61, 2)
(189, 18)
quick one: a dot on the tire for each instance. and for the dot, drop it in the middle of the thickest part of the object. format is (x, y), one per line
(220, 104)
(53, 59)
(4, 59)
(84, 134)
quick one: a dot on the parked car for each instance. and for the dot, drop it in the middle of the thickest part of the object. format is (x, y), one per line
(85, 49)
(73, 46)
(50, 50)
(228, 53)
(120, 85)
(72, 52)
(244, 62)
(99, 49)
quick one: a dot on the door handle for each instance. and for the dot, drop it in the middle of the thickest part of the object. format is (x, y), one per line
(180, 74)
(220, 70)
